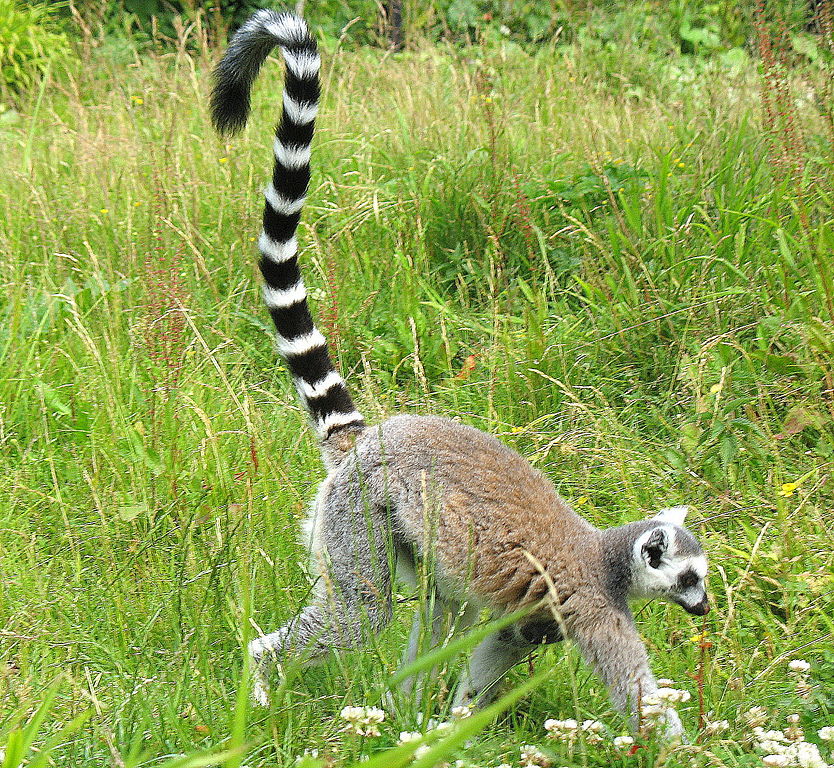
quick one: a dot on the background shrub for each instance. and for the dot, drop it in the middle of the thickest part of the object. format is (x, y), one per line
(29, 40)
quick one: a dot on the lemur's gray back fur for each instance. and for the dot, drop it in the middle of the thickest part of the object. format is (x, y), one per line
(420, 487)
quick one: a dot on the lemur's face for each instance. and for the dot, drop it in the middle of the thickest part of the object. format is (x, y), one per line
(669, 563)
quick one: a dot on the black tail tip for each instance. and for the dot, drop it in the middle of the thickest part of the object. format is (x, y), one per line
(229, 107)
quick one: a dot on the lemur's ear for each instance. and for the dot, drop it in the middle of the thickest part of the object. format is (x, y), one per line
(652, 545)
(675, 515)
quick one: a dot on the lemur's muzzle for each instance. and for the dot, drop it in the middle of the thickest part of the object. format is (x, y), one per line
(699, 609)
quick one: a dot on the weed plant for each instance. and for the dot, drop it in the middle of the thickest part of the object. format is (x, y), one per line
(628, 281)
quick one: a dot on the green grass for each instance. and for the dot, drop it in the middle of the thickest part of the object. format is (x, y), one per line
(593, 257)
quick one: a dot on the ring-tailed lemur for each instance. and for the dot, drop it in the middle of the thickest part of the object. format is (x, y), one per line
(497, 532)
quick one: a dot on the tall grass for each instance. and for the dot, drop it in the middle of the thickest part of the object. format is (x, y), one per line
(617, 280)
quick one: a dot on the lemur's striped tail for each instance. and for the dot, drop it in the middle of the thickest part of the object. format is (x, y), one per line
(300, 343)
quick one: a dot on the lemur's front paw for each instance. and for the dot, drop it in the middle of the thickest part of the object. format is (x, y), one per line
(673, 730)
(260, 653)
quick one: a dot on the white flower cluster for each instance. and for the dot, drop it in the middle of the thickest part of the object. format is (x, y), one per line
(567, 730)
(561, 730)
(459, 713)
(802, 754)
(784, 749)
(827, 733)
(362, 721)
(533, 757)
(621, 742)
(669, 696)
(656, 706)
(800, 668)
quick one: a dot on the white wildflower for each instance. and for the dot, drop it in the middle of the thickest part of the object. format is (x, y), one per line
(792, 719)
(621, 742)
(826, 733)
(654, 711)
(672, 695)
(592, 730)
(362, 721)
(771, 747)
(461, 712)
(533, 757)
(665, 682)
(375, 714)
(799, 666)
(406, 736)
(807, 755)
(774, 735)
(562, 730)
(776, 761)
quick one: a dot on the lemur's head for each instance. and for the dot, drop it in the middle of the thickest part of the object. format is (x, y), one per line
(669, 563)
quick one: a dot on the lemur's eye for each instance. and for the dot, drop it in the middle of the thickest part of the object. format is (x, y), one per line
(689, 579)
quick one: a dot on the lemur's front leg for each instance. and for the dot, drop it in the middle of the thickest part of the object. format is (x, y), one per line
(610, 643)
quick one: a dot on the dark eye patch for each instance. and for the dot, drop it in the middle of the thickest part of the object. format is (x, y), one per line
(687, 580)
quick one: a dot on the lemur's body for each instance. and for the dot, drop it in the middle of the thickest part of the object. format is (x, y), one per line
(497, 532)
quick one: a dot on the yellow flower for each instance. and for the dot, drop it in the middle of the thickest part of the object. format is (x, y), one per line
(488, 99)
(516, 430)
(223, 160)
(581, 500)
(699, 638)
(137, 204)
(788, 489)
(681, 165)
(105, 210)
(137, 100)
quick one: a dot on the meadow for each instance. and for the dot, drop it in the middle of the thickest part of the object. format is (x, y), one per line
(616, 261)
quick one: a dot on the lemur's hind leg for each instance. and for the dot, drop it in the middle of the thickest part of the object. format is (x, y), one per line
(353, 596)
(437, 620)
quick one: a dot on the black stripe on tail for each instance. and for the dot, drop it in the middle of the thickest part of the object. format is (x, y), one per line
(320, 387)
